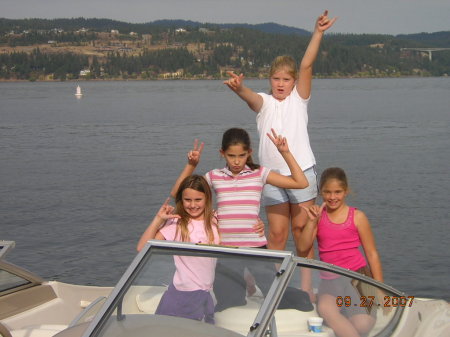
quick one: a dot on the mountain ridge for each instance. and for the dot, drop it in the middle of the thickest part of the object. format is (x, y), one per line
(267, 27)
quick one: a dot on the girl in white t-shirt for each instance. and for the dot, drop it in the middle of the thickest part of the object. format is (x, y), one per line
(191, 220)
(285, 110)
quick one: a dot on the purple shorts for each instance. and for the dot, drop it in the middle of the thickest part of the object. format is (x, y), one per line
(197, 304)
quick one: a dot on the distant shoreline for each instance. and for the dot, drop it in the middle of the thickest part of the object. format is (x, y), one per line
(207, 79)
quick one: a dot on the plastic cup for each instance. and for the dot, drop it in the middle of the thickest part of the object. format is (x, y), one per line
(315, 324)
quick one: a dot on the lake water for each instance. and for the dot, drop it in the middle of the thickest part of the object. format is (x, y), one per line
(81, 178)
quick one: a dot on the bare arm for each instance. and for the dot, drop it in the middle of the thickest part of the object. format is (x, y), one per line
(369, 246)
(297, 178)
(309, 231)
(152, 231)
(306, 65)
(193, 160)
(235, 83)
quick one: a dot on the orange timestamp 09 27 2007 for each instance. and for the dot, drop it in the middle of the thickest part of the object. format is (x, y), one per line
(369, 301)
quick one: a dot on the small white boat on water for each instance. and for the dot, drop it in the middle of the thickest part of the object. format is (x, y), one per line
(129, 309)
(78, 92)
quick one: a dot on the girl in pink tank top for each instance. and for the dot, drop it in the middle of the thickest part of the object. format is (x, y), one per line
(340, 231)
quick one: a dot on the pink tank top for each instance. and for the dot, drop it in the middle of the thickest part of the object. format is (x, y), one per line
(339, 243)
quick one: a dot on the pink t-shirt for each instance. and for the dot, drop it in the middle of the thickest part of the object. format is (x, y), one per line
(238, 202)
(192, 273)
(339, 243)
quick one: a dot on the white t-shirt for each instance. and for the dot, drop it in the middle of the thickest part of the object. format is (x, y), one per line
(290, 119)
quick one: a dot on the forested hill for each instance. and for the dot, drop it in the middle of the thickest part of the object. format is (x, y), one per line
(42, 49)
(7, 25)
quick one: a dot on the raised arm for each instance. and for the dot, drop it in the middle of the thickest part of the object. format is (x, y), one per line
(193, 160)
(306, 65)
(235, 83)
(152, 231)
(369, 246)
(297, 178)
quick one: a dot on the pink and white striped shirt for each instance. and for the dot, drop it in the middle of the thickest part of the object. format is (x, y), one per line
(238, 202)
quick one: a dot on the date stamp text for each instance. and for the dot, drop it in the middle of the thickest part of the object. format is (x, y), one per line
(369, 301)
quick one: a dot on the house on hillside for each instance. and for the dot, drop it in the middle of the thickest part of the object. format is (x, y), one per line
(206, 31)
(147, 38)
(178, 74)
(85, 72)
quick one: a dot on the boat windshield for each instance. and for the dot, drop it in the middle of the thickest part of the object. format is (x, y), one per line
(10, 281)
(190, 290)
(13, 278)
(168, 289)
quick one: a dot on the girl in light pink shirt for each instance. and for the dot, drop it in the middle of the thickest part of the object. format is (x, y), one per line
(192, 220)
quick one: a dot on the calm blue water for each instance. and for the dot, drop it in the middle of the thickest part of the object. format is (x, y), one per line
(81, 178)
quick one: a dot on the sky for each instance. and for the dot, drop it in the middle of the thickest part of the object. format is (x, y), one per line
(354, 16)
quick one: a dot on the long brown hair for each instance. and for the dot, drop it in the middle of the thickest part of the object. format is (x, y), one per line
(237, 136)
(197, 183)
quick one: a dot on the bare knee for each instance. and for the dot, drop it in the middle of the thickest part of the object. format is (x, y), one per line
(278, 238)
(363, 323)
(278, 217)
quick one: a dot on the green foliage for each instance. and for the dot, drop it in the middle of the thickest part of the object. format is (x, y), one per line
(32, 66)
(244, 48)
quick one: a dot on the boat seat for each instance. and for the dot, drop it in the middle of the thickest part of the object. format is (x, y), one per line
(88, 312)
(20, 301)
(42, 330)
(289, 322)
(148, 301)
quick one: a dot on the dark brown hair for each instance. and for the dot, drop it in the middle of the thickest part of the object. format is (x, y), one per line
(237, 136)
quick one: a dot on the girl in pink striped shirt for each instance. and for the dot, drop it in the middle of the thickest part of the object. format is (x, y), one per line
(238, 188)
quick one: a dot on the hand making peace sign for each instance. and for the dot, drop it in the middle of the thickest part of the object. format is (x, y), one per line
(279, 141)
(195, 154)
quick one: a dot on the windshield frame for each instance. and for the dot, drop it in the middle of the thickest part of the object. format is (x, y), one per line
(263, 319)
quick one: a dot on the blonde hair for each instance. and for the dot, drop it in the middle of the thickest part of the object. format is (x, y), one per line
(284, 62)
(197, 183)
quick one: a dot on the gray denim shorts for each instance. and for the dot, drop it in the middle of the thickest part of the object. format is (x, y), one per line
(274, 195)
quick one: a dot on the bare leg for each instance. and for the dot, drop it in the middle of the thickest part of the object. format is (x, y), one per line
(299, 218)
(363, 323)
(328, 309)
(278, 217)
(250, 281)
